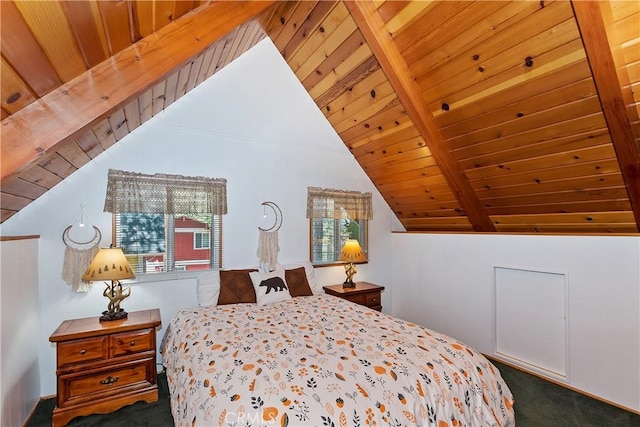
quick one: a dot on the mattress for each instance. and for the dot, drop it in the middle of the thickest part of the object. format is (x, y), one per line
(321, 360)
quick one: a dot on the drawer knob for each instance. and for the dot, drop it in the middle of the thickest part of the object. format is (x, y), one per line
(132, 343)
(109, 380)
(83, 352)
(374, 299)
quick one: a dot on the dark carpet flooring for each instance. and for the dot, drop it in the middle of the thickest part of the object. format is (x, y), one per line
(539, 403)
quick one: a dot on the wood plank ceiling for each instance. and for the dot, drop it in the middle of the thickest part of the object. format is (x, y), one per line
(481, 116)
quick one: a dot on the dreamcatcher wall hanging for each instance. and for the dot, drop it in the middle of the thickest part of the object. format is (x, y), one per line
(268, 247)
(78, 254)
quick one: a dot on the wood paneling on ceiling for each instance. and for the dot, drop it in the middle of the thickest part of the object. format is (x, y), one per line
(507, 116)
(481, 115)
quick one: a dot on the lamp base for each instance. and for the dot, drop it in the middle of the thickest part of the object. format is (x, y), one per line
(116, 295)
(351, 271)
(349, 284)
(115, 315)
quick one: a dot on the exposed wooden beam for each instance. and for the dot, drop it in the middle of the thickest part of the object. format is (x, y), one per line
(603, 68)
(87, 99)
(395, 67)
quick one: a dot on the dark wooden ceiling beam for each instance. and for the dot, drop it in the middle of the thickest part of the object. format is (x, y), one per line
(65, 112)
(603, 68)
(395, 67)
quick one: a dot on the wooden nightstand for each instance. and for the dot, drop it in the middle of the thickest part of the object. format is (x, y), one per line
(364, 293)
(103, 366)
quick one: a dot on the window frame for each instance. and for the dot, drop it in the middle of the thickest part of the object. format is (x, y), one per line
(195, 240)
(364, 242)
(178, 273)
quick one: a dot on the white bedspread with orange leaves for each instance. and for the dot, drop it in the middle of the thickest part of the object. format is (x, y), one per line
(321, 360)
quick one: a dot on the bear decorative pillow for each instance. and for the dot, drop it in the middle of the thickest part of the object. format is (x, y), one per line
(270, 287)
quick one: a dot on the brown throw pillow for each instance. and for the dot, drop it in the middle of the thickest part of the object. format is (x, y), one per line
(298, 283)
(236, 287)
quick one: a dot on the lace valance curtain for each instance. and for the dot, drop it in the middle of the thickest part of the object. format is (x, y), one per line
(330, 203)
(131, 192)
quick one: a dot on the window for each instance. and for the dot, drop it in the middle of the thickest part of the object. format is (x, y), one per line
(167, 223)
(336, 216)
(201, 240)
(328, 237)
(157, 243)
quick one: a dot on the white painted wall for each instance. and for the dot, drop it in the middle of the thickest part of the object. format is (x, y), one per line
(253, 124)
(446, 282)
(20, 330)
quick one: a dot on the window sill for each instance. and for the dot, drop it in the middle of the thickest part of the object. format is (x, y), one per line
(165, 277)
(334, 264)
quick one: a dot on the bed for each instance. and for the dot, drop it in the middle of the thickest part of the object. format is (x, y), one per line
(320, 360)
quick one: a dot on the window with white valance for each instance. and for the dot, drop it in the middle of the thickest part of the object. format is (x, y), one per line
(163, 221)
(336, 216)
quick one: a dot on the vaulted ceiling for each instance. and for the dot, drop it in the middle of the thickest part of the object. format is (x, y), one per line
(467, 115)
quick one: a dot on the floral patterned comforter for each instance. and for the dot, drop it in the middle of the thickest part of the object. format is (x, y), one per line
(321, 360)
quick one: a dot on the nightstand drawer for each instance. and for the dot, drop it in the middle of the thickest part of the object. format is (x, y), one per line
(108, 381)
(132, 342)
(372, 299)
(83, 350)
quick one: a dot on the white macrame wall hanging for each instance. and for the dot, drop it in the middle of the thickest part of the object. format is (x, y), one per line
(78, 255)
(268, 246)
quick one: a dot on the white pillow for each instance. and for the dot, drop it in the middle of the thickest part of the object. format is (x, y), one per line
(311, 275)
(270, 287)
(208, 288)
